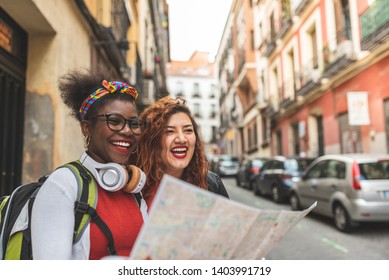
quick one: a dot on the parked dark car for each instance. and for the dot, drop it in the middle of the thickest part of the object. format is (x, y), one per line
(278, 175)
(248, 170)
(350, 188)
(225, 165)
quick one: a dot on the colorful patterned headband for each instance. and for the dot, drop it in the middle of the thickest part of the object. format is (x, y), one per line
(108, 87)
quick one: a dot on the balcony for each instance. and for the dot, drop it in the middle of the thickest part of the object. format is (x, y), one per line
(270, 45)
(222, 97)
(270, 111)
(338, 59)
(241, 59)
(286, 25)
(286, 102)
(275, 102)
(375, 25)
(308, 78)
(288, 91)
(299, 6)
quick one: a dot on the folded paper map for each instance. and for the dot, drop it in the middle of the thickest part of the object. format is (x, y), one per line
(187, 222)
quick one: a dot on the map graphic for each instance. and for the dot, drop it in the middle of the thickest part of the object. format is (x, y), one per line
(187, 222)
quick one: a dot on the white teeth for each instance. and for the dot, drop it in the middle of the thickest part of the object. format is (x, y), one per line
(122, 144)
(179, 150)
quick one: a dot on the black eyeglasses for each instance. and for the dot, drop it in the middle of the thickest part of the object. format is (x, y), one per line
(117, 122)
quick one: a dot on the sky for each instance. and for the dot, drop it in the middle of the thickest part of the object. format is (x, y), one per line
(196, 25)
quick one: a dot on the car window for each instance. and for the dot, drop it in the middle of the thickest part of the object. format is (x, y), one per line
(268, 165)
(278, 165)
(291, 165)
(336, 169)
(229, 159)
(303, 163)
(374, 170)
(341, 170)
(331, 169)
(258, 163)
(317, 171)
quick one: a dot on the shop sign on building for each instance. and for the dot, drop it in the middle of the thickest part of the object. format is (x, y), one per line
(5, 36)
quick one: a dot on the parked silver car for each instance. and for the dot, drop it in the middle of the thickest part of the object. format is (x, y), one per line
(350, 188)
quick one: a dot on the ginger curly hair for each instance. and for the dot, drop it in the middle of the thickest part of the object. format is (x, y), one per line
(157, 116)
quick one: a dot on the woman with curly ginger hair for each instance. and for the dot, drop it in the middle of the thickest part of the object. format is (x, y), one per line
(171, 145)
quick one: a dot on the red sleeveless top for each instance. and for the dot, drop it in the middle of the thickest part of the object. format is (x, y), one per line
(122, 215)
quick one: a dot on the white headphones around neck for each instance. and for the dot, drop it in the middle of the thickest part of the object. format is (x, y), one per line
(113, 176)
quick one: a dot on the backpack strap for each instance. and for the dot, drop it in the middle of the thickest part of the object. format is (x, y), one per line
(84, 208)
(87, 193)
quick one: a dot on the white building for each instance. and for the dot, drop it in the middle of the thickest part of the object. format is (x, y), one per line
(194, 79)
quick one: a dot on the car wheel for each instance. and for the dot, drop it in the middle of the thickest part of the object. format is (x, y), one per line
(275, 194)
(342, 219)
(294, 202)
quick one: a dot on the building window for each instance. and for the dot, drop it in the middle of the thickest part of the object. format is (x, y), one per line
(196, 109)
(252, 136)
(179, 89)
(279, 142)
(213, 90)
(342, 20)
(214, 136)
(252, 40)
(213, 111)
(313, 39)
(296, 138)
(196, 90)
(289, 84)
(272, 28)
(386, 112)
(120, 21)
(255, 134)
(274, 90)
(265, 130)
(249, 138)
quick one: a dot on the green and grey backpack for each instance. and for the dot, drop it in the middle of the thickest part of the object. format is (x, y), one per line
(15, 218)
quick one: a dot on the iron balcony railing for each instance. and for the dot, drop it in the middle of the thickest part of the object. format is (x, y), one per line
(299, 5)
(374, 25)
(308, 77)
(375, 17)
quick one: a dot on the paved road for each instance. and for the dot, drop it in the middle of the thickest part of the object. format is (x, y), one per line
(316, 238)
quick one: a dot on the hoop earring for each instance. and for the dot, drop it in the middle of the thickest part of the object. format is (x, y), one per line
(86, 141)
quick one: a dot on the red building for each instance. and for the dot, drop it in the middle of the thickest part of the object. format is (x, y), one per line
(321, 70)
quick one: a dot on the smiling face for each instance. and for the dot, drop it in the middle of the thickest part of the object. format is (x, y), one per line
(107, 145)
(178, 143)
